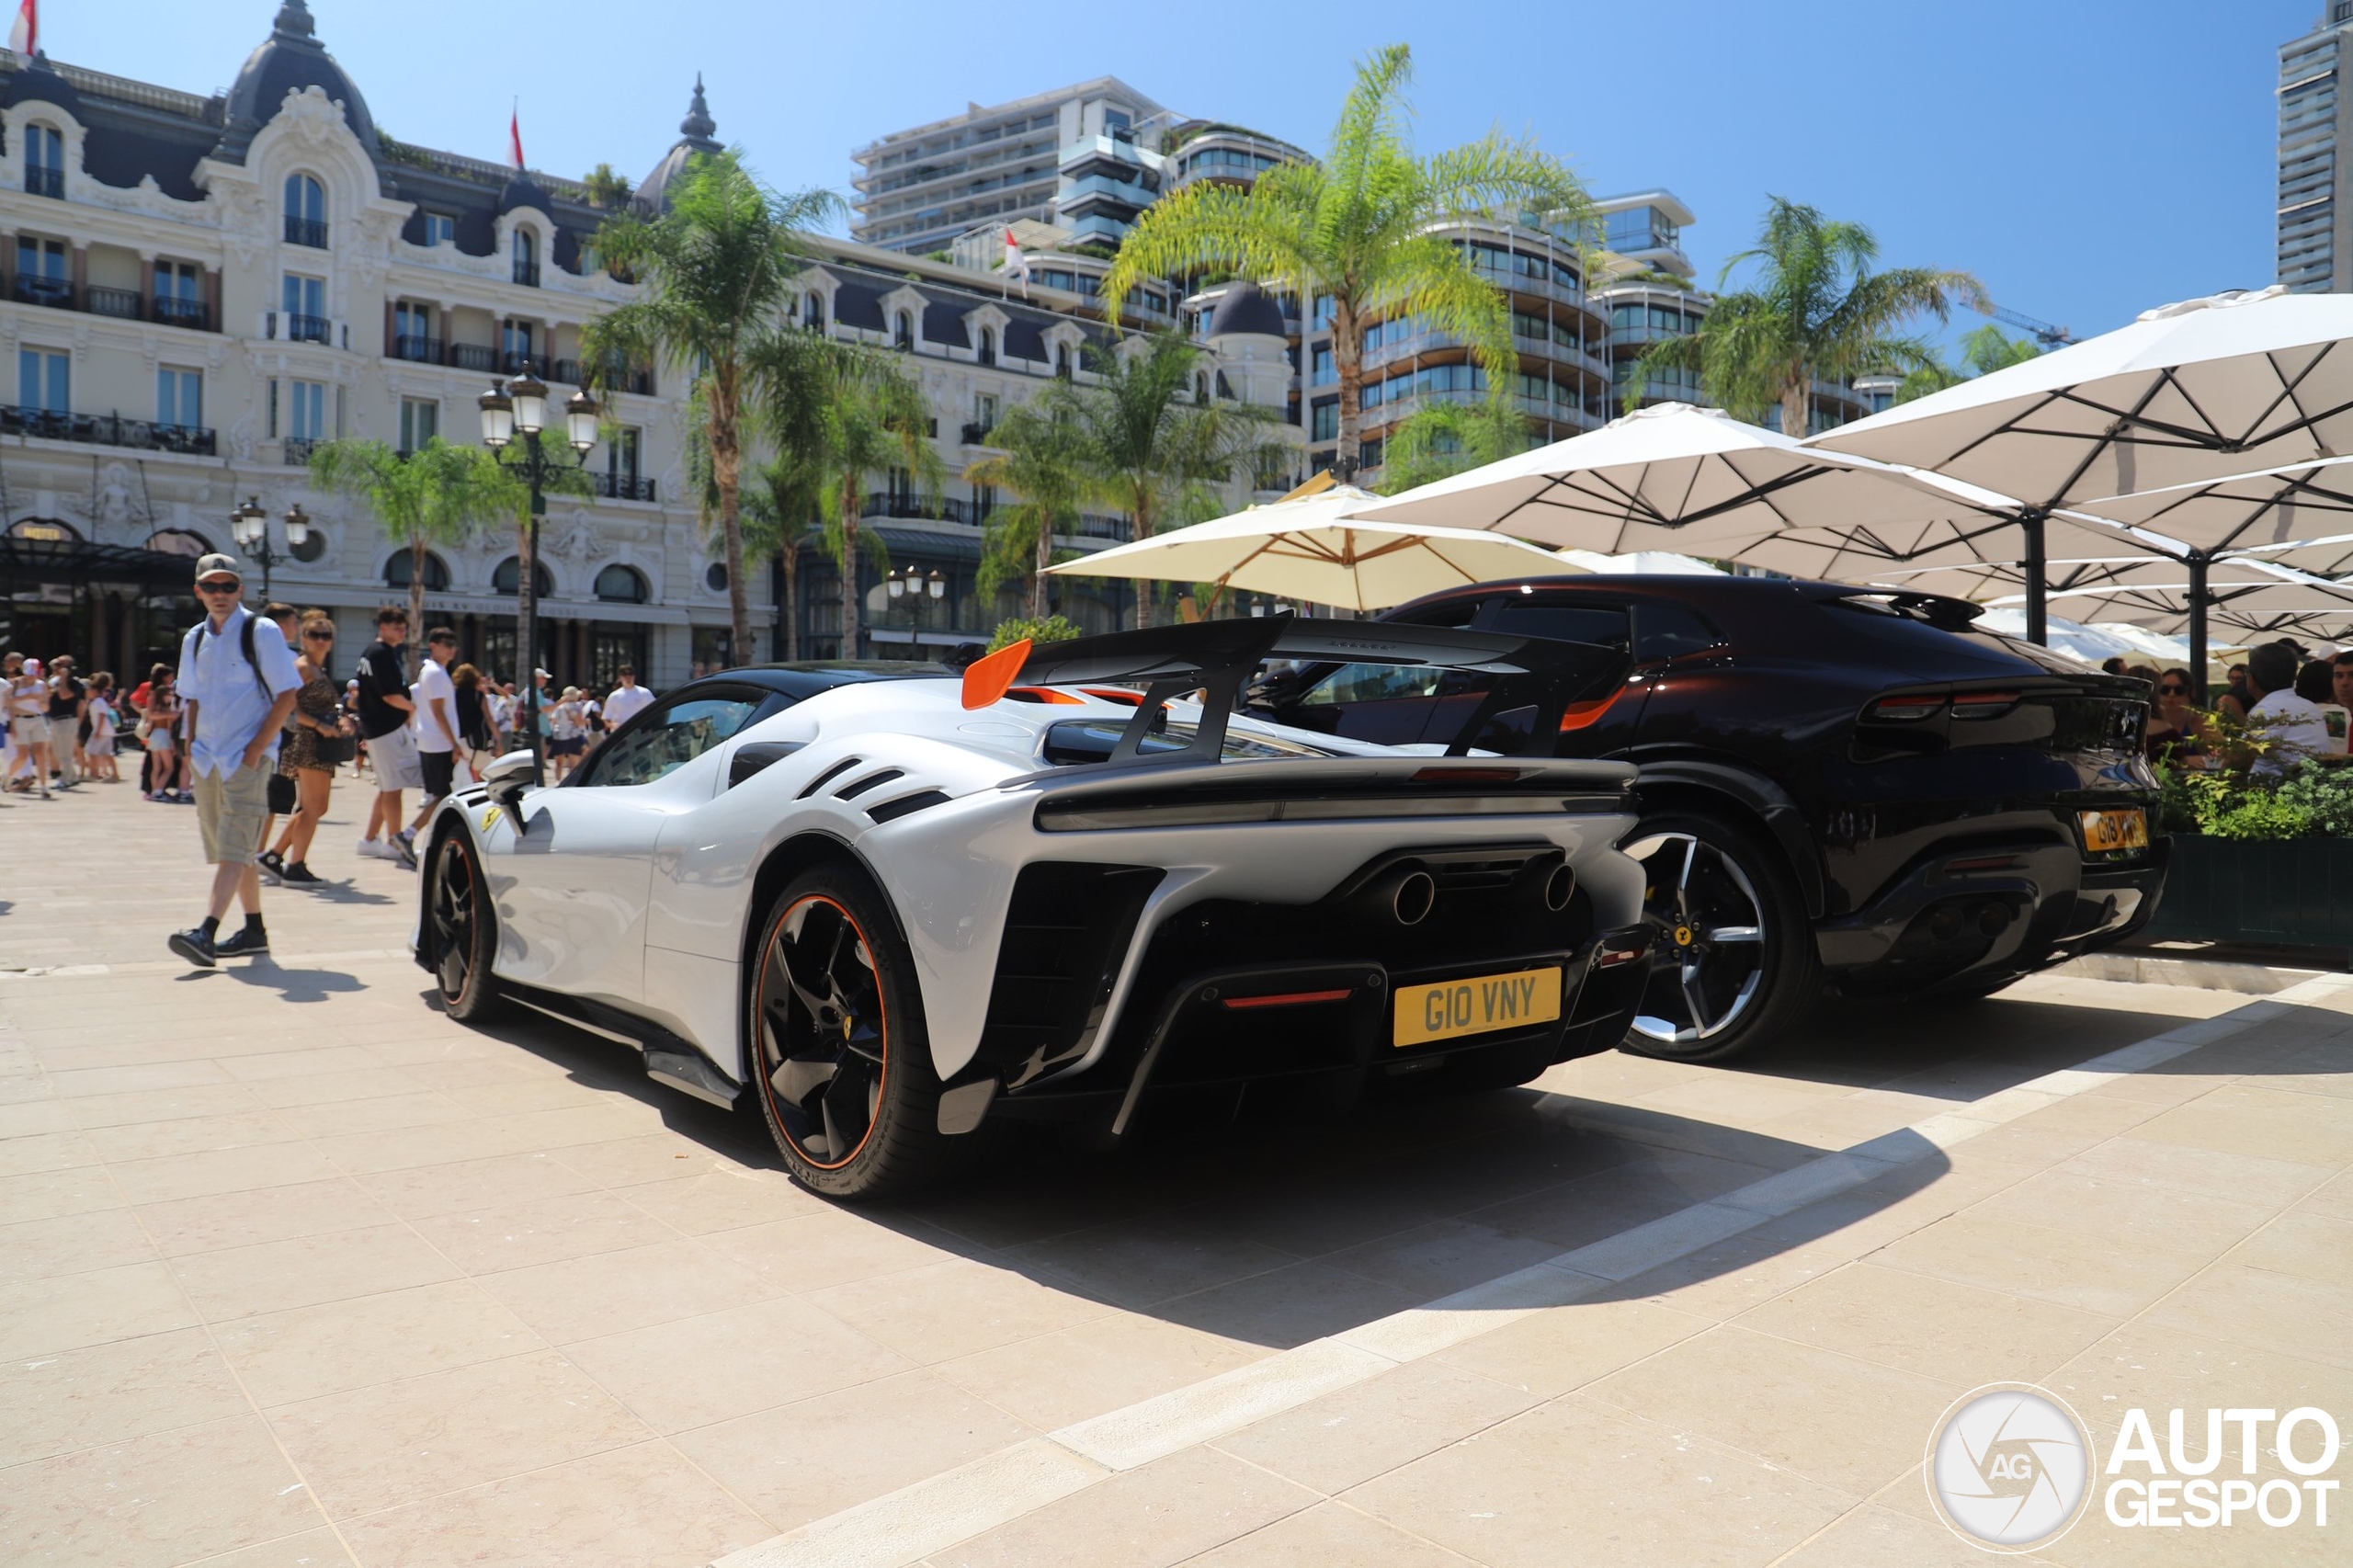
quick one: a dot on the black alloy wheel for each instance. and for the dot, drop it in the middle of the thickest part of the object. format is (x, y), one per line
(845, 1080)
(465, 937)
(1731, 962)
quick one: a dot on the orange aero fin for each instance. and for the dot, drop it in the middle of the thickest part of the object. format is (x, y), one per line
(988, 679)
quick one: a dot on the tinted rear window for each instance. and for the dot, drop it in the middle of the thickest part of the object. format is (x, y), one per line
(1906, 642)
(1667, 631)
(1601, 625)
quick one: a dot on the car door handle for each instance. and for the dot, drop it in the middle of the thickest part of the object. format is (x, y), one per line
(750, 758)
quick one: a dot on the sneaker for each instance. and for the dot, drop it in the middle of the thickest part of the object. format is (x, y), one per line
(195, 947)
(244, 945)
(403, 853)
(298, 875)
(373, 849)
(271, 861)
(184, 798)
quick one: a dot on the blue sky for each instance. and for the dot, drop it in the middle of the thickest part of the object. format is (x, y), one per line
(2085, 160)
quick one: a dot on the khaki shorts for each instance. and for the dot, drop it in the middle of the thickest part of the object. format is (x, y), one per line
(228, 813)
(31, 730)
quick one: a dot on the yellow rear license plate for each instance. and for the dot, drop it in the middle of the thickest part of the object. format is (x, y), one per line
(1475, 1005)
(2106, 831)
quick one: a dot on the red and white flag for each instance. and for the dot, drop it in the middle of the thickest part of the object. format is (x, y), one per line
(1015, 264)
(514, 133)
(24, 33)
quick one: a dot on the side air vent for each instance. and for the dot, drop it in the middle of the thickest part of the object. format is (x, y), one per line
(922, 799)
(836, 771)
(850, 792)
(1068, 926)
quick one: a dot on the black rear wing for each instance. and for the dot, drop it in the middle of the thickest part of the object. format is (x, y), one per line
(1217, 657)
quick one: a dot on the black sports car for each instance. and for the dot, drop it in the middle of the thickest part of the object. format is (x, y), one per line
(1836, 783)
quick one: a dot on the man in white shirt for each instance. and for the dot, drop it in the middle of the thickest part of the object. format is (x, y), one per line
(2292, 725)
(437, 722)
(238, 679)
(627, 700)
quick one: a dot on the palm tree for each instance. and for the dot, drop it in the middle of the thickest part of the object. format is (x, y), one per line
(777, 514)
(715, 270)
(1041, 457)
(1987, 349)
(1818, 312)
(876, 420)
(438, 495)
(1149, 448)
(1362, 230)
(1443, 439)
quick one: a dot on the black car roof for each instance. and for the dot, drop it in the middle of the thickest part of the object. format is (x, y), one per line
(807, 677)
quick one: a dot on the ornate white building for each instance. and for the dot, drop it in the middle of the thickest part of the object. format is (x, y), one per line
(198, 289)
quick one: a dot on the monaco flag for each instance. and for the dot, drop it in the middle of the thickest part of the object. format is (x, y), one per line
(514, 133)
(1015, 264)
(24, 33)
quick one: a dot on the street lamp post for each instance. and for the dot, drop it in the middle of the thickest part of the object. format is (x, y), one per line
(249, 526)
(520, 408)
(915, 587)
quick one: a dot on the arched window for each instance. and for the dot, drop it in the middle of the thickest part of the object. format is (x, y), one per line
(179, 541)
(1061, 360)
(621, 585)
(508, 578)
(988, 346)
(44, 161)
(306, 211)
(396, 570)
(1201, 386)
(813, 310)
(527, 258)
(903, 331)
(43, 531)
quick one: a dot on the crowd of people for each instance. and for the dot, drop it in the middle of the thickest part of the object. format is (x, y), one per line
(250, 726)
(2280, 692)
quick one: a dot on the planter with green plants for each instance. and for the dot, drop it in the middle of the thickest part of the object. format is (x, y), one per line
(2257, 858)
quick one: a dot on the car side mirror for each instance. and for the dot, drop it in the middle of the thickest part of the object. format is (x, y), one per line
(505, 780)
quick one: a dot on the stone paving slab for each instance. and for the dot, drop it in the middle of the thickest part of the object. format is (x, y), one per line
(317, 1274)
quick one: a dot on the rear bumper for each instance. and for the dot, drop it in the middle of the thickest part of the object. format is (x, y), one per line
(1970, 918)
(1331, 1020)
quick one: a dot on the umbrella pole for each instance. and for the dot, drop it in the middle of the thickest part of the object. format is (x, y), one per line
(2198, 564)
(2038, 623)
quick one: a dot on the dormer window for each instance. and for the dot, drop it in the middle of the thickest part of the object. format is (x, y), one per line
(902, 332)
(44, 162)
(1201, 386)
(1061, 360)
(988, 346)
(813, 310)
(527, 258)
(306, 211)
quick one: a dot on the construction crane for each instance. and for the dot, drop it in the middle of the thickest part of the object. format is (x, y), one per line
(2049, 336)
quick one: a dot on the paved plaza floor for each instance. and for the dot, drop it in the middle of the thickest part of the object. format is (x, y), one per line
(295, 1270)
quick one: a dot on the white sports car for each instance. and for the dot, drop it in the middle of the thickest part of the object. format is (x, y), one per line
(894, 902)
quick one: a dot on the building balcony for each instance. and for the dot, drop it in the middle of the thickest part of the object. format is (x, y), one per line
(35, 290)
(172, 311)
(107, 430)
(45, 182)
(479, 357)
(622, 486)
(516, 362)
(977, 434)
(527, 272)
(297, 450)
(417, 350)
(308, 329)
(310, 232)
(121, 303)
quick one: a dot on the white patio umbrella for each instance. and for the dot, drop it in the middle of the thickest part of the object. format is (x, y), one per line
(1311, 547)
(2280, 599)
(2186, 394)
(1982, 533)
(1679, 478)
(1989, 581)
(2089, 644)
(1646, 563)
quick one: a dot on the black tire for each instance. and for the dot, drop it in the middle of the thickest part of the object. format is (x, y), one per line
(858, 977)
(465, 933)
(1732, 962)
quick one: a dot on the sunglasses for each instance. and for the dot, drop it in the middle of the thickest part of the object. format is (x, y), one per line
(2172, 691)
(228, 587)
(318, 637)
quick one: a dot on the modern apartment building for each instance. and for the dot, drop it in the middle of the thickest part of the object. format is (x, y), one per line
(196, 290)
(2315, 130)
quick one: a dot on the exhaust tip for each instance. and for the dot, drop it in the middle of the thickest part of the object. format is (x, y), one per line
(1560, 887)
(1415, 897)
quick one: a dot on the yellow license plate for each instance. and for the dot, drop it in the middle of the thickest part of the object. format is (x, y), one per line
(1477, 1004)
(2114, 830)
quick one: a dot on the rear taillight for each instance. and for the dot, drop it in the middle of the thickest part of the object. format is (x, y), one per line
(1983, 704)
(1905, 708)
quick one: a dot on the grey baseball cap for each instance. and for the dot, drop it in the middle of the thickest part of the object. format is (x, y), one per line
(215, 563)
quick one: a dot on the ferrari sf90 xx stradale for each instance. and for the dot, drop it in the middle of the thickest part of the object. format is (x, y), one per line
(892, 903)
